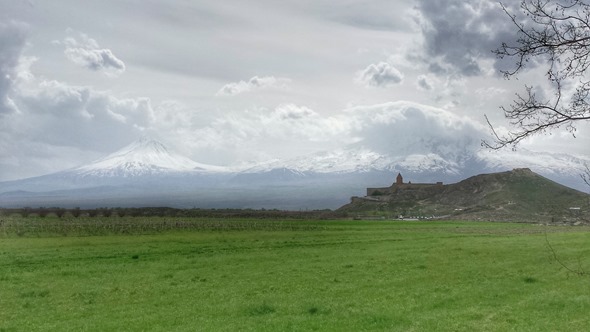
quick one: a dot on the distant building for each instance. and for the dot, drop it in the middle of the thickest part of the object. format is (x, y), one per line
(400, 185)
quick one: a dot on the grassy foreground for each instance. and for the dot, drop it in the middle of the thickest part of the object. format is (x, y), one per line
(337, 275)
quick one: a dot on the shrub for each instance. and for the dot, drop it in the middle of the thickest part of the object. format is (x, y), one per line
(75, 212)
(60, 212)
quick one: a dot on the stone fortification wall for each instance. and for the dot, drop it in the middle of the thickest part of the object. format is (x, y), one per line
(398, 187)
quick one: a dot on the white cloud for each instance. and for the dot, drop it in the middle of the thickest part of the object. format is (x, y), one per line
(254, 83)
(395, 128)
(489, 93)
(260, 134)
(381, 74)
(86, 53)
(410, 128)
(294, 112)
(101, 59)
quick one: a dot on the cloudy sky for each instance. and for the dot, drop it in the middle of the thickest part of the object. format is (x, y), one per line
(233, 82)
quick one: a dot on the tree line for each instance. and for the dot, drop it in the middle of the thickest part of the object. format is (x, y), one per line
(170, 212)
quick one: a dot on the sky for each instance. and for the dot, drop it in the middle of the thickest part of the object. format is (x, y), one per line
(240, 82)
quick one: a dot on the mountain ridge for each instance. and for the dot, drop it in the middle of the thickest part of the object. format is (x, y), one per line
(147, 168)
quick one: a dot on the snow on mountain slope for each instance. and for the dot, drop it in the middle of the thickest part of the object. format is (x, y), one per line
(144, 157)
(433, 165)
(361, 160)
(150, 157)
(337, 161)
(544, 163)
(430, 162)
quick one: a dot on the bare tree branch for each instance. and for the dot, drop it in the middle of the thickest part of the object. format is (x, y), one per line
(555, 32)
(580, 271)
(586, 175)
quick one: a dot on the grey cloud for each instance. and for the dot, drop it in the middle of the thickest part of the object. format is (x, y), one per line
(12, 41)
(424, 83)
(380, 75)
(457, 34)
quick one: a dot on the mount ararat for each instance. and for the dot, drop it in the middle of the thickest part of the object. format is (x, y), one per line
(147, 173)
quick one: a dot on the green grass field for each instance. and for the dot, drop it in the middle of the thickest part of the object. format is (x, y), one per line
(295, 276)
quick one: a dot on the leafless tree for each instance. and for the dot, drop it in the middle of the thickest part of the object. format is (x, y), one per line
(555, 33)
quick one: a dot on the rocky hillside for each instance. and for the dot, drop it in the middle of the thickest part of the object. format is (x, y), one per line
(517, 195)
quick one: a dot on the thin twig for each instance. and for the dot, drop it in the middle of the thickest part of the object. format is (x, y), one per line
(579, 272)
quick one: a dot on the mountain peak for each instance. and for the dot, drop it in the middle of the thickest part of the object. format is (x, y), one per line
(523, 171)
(144, 144)
(147, 140)
(145, 156)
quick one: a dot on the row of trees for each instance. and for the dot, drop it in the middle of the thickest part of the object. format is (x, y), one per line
(171, 212)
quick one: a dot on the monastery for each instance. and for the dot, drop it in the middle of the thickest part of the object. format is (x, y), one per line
(399, 185)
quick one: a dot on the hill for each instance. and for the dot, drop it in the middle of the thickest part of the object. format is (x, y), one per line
(517, 195)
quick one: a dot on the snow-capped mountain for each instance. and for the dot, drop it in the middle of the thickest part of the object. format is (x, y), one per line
(148, 173)
(360, 160)
(145, 163)
(145, 156)
(360, 163)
